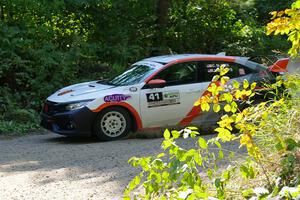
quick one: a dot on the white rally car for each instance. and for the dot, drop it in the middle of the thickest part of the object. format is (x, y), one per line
(155, 92)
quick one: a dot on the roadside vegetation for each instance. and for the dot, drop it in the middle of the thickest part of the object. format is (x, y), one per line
(45, 45)
(269, 131)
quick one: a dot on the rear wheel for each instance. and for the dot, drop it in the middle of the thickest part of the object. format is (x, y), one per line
(112, 123)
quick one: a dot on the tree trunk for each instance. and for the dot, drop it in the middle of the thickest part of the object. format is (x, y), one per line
(160, 44)
(1, 13)
(163, 7)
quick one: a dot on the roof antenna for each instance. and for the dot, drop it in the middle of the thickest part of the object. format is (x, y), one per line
(221, 54)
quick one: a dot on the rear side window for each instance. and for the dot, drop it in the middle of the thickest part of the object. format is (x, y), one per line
(207, 70)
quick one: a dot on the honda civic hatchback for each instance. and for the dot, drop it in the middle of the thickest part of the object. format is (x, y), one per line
(154, 92)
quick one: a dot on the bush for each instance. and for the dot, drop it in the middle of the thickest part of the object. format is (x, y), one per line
(269, 131)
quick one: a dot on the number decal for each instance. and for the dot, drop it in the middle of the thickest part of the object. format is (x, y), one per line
(157, 96)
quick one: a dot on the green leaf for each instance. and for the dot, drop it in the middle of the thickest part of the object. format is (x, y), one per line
(217, 143)
(202, 143)
(166, 144)
(218, 182)
(160, 155)
(198, 158)
(167, 134)
(221, 155)
(165, 175)
(134, 182)
(248, 193)
(209, 173)
(193, 134)
(231, 155)
(175, 134)
(126, 198)
(224, 134)
(247, 172)
(244, 171)
(291, 144)
(279, 146)
(192, 128)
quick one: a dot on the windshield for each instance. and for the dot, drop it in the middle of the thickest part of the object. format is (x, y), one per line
(134, 75)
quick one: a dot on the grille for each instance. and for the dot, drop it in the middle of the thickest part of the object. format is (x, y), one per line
(52, 107)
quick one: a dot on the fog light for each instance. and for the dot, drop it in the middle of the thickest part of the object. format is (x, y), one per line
(72, 125)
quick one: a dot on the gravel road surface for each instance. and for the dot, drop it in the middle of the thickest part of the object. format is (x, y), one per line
(50, 166)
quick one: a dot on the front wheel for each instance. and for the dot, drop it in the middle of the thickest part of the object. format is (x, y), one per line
(112, 123)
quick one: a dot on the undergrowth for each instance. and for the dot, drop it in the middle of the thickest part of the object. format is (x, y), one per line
(269, 131)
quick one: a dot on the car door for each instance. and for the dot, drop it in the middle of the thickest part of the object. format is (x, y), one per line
(207, 72)
(170, 104)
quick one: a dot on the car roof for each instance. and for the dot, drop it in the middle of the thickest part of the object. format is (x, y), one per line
(177, 57)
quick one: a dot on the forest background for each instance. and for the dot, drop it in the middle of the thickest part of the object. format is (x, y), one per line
(48, 44)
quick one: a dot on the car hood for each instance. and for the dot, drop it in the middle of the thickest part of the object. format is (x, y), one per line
(77, 92)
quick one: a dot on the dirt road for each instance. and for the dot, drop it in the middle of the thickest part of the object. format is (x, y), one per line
(50, 166)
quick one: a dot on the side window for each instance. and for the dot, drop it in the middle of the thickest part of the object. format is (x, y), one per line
(178, 74)
(235, 70)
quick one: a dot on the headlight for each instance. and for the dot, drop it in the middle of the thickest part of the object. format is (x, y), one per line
(77, 105)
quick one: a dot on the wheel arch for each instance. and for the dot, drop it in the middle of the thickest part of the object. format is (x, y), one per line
(137, 122)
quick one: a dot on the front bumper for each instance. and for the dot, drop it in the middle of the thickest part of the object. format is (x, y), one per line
(69, 123)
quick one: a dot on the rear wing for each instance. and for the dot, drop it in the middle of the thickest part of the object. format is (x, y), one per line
(280, 65)
(274, 63)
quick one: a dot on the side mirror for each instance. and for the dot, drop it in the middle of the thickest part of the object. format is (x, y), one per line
(156, 83)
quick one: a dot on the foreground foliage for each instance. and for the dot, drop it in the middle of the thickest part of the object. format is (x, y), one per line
(268, 130)
(287, 22)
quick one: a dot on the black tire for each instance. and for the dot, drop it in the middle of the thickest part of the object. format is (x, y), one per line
(112, 123)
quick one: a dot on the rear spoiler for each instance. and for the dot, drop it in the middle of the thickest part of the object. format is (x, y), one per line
(280, 65)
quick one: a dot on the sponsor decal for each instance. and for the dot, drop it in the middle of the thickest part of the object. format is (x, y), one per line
(116, 98)
(64, 92)
(157, 99)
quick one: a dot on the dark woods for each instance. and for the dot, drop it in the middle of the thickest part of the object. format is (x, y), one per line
(46, 44)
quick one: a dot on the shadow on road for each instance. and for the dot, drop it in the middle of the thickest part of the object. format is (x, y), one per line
(72, 140)
(51, 160)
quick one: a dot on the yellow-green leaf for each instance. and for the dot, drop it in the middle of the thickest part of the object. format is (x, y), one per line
(167, 134)
(198, 158)
(245, 84)
(224, 80)
(160, 155)
(216, 108)
(175, 134)
(224, 134)
(221, 155)
(227, 108)
(228, 97)
(192, 128)
(205, 106)
(253, 86)
(215, 78)
(202, 143)
(234, 107)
